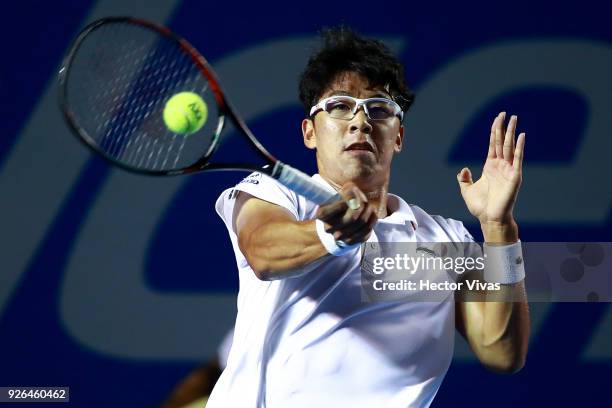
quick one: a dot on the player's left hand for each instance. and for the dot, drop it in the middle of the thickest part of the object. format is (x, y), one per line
(491, 198)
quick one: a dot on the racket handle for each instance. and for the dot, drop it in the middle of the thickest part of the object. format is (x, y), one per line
(302, 184)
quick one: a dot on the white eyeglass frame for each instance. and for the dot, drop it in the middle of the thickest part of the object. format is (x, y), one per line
(358, 102)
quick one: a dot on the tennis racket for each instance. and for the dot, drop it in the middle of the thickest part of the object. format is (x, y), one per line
(113, 86)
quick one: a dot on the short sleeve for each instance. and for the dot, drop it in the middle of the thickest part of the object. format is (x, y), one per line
(260, 186)
(456, 232)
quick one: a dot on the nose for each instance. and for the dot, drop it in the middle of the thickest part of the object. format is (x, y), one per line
(360, 122)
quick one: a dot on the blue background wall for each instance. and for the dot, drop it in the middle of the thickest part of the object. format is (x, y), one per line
(117, 285)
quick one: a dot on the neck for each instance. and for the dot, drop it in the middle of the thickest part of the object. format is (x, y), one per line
(378, 199)
(377, 195)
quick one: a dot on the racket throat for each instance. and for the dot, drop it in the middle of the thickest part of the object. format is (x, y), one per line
(275, 170)
(303, 184)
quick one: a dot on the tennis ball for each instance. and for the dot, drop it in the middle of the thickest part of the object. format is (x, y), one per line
(185, 113)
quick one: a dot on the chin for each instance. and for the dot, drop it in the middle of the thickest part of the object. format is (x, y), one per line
(360, 171)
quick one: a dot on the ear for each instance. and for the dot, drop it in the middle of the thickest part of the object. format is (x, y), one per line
(308, 132)
(399, 140)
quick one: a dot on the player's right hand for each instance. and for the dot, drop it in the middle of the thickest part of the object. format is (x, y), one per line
(351, 219)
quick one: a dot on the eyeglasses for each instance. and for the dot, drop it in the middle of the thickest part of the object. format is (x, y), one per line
(345, 107)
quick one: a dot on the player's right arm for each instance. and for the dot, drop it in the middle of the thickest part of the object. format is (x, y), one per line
(276, 245)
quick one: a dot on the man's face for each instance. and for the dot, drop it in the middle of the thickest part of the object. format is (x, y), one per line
(359, 149)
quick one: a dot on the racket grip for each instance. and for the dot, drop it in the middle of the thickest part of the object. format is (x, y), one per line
(303, 184)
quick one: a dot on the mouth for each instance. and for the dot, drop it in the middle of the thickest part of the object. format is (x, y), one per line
(360, 148)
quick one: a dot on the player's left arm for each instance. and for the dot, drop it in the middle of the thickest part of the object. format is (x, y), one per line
(497, 331)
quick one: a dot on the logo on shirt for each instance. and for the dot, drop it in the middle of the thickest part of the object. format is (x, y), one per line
(251, 178)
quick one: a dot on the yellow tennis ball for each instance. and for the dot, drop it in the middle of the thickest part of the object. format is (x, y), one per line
(185, 113)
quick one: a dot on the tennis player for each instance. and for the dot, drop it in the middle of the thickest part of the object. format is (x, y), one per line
(303, 336)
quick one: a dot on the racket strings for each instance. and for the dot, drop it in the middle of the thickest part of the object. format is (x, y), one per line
(165, 151)
(120, 79)
(143, 138)
(147, 87)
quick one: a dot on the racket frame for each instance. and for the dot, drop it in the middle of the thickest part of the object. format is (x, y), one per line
(285, 174)
(223, 106)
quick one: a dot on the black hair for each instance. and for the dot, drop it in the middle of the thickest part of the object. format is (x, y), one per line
(343, 51)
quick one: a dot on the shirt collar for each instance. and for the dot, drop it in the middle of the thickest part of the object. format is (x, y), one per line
(401, 211)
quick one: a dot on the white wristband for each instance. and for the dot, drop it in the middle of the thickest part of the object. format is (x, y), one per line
(504, 264)
(329, 242)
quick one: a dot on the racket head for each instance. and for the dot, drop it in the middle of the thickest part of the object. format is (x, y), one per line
(113, 87)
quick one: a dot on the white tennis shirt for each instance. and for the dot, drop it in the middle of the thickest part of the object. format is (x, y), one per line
(309, 341)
